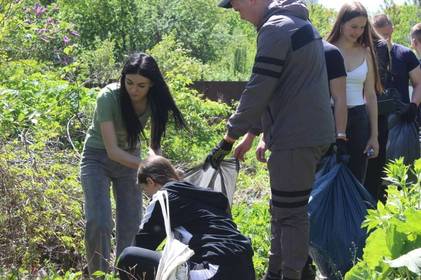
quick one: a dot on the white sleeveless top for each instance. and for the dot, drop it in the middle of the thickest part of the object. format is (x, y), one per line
(355, 85)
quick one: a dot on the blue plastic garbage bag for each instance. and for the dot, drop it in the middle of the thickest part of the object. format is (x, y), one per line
(337, 207)
(403, 140)
(325, 165)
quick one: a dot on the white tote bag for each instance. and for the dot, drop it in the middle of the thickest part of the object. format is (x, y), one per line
(173, 263)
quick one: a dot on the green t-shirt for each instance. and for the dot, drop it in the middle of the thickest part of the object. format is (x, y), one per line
(108, 109)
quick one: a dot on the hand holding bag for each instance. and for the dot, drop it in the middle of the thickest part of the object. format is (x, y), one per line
(173, 264)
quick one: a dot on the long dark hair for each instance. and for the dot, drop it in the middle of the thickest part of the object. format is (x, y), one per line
(159, 99)
(348, 12)
(158, 169)
(383, 59)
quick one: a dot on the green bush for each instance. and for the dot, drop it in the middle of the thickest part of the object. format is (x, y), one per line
(394, 227)
(253, 220)
(37, 105)
(94, 68)
(253, 180)
(121, 21)
(236, 62)
(41, 209)
(198, 25)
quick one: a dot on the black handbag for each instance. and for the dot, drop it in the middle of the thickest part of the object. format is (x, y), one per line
(386, 102)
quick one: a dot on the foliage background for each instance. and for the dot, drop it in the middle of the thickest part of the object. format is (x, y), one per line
(54, 57)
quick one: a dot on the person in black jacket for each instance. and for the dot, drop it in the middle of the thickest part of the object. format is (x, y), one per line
(200, 219)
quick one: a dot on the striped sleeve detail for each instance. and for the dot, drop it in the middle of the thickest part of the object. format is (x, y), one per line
(268, 66)
(291, 194)
(269, 60)
(294, 204)
(265, 72)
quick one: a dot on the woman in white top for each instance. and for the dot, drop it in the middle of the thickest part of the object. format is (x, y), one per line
(351, 33)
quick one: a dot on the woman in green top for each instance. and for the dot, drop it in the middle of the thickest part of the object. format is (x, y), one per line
(112, 154)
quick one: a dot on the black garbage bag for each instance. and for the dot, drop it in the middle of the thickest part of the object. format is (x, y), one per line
(337, 207)
(222, 179)
(403, 140)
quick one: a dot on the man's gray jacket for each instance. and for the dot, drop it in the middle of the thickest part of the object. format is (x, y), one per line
(287, 96)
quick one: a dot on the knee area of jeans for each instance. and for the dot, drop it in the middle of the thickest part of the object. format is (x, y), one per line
(98, 226)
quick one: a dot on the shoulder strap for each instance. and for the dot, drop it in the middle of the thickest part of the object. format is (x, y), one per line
(162, 197)
(389, 66)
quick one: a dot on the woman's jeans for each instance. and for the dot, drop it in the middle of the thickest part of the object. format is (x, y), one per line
(97, 171)
(358, 133)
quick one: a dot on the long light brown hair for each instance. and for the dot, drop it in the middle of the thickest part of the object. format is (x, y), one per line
(348, 12)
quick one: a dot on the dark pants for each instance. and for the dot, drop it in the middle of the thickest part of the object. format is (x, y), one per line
(291, 175)
(375, 169)
(240, 269)
(358, 133)
(140, 263)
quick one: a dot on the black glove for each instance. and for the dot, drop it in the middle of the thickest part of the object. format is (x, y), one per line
(218, 153)
(341, 150)
(409, 114)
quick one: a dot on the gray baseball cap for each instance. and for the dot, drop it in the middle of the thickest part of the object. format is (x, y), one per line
(225, 4)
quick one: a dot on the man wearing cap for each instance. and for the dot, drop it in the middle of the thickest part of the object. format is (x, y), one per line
(286, 98)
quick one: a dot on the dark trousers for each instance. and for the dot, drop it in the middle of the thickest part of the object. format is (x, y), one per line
(358, 133)
(375, 169)
(142, 264)
(240, 269)
(138, 263)
(291, 174)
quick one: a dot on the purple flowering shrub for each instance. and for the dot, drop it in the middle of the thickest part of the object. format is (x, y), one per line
(32, 30)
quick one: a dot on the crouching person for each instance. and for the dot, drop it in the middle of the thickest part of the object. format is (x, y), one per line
(201, 219)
